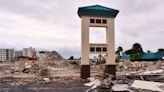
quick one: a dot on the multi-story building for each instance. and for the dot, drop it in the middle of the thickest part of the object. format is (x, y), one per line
(7, 54)
(29, 53)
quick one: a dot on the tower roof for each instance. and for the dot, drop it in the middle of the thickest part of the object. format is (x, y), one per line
(97, 11)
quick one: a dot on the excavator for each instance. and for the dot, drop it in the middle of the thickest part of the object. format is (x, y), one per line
(33, 57)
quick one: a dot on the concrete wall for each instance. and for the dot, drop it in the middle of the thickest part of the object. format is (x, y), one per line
(110, 38)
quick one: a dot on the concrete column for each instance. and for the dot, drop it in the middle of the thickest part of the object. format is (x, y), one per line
(110, 40)
(85, 67)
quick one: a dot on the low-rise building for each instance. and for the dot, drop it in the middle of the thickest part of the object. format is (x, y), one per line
(144, 57)
(29, 53)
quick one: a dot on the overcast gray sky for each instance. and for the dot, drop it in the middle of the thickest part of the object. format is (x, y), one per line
(55, 25)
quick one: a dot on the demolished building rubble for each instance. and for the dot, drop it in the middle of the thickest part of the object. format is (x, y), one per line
(54, 68)
(132, 78)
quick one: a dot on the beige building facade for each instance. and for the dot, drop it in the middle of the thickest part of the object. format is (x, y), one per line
(97, 16)
(29, 53)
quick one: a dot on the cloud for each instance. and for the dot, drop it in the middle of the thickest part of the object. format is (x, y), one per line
(55, 25)
(140, 21)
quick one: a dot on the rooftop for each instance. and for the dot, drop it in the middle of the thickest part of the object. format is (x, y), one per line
(97, 11)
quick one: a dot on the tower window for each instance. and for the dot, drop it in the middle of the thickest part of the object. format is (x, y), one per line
(98, 21)
(98, 49)
(92, 20)
(92, 49)
(104, 21)
(104, 49)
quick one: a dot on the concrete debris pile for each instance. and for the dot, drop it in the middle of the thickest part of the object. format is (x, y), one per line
(54, 56)
(100, 68)
(38, 69)
(21, 68)
(136, 66)
(24, 67)
(5, 69)
(17, 67)
(110, 84)
(139, 77)
(32, 69)
(44, 72)
(54, 65)
(130, 78)
(54, 59)
(153, 72)
(141, 68)
(99, 82)
(155, 66)
(106, 83)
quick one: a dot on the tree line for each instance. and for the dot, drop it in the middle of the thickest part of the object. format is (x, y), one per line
(135, 51)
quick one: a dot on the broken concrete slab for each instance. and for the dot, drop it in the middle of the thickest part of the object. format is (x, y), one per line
(148, 85)
(96, 82)
(152, 72)
(121, 88)
(91, 79)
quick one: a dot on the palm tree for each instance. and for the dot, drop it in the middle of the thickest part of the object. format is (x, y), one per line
(119, 50)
